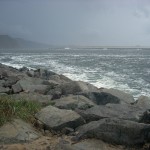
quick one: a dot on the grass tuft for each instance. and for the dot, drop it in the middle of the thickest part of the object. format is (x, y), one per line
(11, 108)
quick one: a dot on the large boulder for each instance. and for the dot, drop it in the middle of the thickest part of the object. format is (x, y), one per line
(101, 98)
(74, 102)
(59, 79)
(6, 71)
(17, 131)
(30, 84)
(143, 102)
(11, 80)
(16, 88)
(124, 97)
(57, 119)
(76, 87)
(88, 144)
(126, 112)
(115, 131)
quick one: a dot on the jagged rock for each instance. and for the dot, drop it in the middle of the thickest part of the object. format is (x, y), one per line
(74, 102)
(59, 79)
(101, 98)
(145, 118)
(56, 93)
(115, 131)
(5, 90)
(35, 85)
(16, 88)
(124, 97)
(88, 144)
(76, 87)
(23, 69)
(6, 71)
(43, 74)
(126, 112)
(57, 119)
(143, 102)
(30, 73)
(17, 131)
(11, 80)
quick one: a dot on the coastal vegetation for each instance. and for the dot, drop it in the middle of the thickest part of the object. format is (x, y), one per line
(11, 108)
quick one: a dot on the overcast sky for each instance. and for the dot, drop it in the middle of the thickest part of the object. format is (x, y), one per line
(78, 22)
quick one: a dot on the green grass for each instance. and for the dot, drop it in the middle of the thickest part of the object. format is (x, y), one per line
(11, 108)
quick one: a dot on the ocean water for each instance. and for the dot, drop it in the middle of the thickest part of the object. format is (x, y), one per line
(121, 68)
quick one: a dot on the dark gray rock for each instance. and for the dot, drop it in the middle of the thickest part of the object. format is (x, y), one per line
(124, 97)
(5, 90)
(37, 85)
(145, 118)
(101, 98)
(43, 74)
(59, 79)
(30, 73)
(56, 93)
(23, 69)
(126, 112)
(11, 80)
(76, 87)
(143, 102)
(74, 102)
(17, 131)
(57, 119)
(115, 131)
(6, 71)
(16, 88)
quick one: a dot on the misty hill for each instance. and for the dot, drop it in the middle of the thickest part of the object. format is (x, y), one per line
(8, 42)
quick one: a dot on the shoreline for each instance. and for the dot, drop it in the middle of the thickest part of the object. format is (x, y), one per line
(98, 84)
(71, 113)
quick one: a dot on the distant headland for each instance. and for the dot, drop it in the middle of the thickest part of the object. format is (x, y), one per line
(8, 42)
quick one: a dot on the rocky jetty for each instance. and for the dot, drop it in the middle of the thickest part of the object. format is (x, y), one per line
(74, 115)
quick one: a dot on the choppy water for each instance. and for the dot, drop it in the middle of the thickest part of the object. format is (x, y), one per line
(124, 69)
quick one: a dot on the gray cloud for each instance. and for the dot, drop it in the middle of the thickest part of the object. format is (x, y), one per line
(77, 22)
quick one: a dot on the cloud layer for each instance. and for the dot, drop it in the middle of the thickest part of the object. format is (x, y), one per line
(78, 22)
